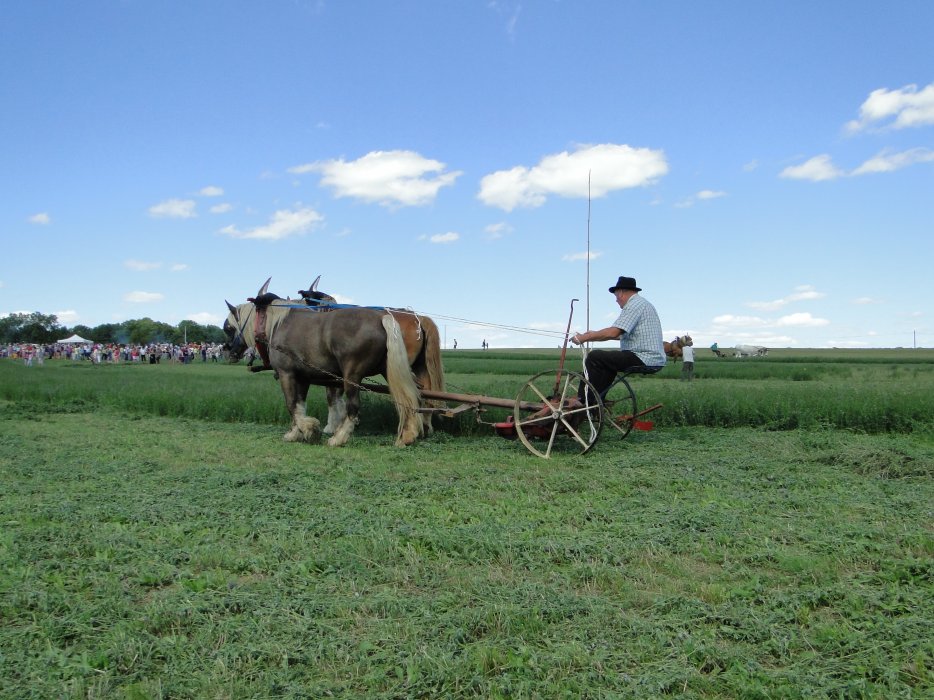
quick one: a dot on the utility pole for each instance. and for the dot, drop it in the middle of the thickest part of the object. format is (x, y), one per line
(587, 327)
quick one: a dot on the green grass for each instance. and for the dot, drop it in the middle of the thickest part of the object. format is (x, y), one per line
(870, 391)
(158, 546)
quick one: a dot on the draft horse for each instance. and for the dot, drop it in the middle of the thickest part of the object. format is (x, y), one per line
(422, 344)
(674, 349)
(321, 348)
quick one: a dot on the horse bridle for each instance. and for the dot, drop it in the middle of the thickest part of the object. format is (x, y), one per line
(239, 335)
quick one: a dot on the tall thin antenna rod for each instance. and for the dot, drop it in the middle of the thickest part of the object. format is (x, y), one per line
(587, 327)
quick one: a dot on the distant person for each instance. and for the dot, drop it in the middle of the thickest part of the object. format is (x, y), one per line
(639, 331)
(687, 369)
(455, 343)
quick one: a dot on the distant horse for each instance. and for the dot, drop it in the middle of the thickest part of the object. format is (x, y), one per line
(674, 349)
(750, 351)
(422, 343)
(320, 348)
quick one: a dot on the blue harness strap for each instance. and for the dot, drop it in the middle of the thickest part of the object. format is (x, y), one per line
(334, 307)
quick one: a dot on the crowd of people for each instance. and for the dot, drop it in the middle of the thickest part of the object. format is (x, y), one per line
(98, 353)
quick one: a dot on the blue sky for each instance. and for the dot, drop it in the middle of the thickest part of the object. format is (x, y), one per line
(764, 169)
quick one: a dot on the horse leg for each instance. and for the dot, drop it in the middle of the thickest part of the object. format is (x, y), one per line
(337, 409)
(423, 378)
(309, 427)
(351, 416)
(304, 428)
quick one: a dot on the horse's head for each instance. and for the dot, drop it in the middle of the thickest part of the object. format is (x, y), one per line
(236, 345)
(313, 297)
(238, 327)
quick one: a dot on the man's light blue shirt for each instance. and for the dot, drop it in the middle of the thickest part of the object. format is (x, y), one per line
(642, 331)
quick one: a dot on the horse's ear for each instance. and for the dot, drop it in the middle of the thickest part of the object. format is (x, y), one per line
(314, 285)
(264, 288)
(233, 310)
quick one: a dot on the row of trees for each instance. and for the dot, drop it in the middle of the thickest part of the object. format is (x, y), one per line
(42, 328)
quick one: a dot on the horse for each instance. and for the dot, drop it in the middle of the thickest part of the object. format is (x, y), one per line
(321, 348)
(674, 348)
(422, 343)
(750, 351)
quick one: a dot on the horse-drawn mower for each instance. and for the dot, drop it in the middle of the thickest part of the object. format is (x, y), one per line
(555, 411)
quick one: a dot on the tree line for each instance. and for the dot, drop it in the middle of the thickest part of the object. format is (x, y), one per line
(45, 329)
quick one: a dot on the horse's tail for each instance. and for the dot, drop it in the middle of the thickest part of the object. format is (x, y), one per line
(402, 387)
(433, 354)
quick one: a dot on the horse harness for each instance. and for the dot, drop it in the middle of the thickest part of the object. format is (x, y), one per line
(325, 303)
(260, 337)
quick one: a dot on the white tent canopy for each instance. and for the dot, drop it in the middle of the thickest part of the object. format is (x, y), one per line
(74, 339)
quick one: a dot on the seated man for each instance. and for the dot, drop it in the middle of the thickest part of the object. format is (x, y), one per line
(640, 338)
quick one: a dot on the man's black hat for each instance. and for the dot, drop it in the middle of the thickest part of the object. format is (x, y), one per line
(625, 283)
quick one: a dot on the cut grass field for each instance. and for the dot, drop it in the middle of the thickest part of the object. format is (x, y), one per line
(154, 547)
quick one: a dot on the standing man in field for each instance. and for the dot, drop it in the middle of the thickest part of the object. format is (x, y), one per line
(640, 338)
(687, 370)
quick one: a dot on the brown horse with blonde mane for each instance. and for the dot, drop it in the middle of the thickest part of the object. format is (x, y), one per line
(422, 343)
(419, 335)
(322, 349)
(674, 348)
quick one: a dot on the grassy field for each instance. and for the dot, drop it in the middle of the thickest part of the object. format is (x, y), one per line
(771, 538)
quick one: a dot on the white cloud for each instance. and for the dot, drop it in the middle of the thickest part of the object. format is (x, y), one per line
(802, 293)
(283, 224)
(703, 195)
(211, 191)
(389, 178)
(41, 218)
(862, 301)
(143, 297)
(509, 12)
(886, 162)
(449, 237)
(67, 317)
(751, 166)
(173, 209)
(494, 231)
(221, 208)
(898, 109)
(141, 266)
(816, 169)
(822, 168)
(178, 267)
(606, 167)
(801, 319)
(574, 257)
(205, 318)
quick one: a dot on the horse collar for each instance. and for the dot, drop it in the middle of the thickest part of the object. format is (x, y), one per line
(259, 336)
